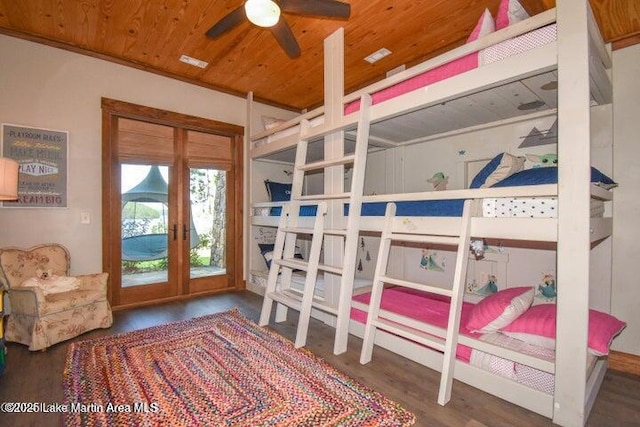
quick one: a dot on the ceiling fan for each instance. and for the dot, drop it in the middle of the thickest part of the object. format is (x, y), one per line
(267, 14)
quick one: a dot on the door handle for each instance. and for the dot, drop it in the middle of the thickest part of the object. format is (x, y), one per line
(184, 232)
(175, 231)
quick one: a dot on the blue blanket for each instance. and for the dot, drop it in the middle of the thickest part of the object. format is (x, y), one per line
(417, 208)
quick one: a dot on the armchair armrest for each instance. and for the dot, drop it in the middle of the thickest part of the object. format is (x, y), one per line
(96, 281)
(25, 300)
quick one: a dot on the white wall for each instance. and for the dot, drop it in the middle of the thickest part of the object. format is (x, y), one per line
(419, 162)
(626, 231)
(51, 88)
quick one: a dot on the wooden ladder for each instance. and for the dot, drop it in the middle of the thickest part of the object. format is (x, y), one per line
(404, 326)
(283, 262)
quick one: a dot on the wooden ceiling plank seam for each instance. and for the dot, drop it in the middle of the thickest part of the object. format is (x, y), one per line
(101, 33)
(89, 16)
(159, 35)
(132, 25)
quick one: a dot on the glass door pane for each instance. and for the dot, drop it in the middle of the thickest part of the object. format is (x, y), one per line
(145, 224)
(208, 218)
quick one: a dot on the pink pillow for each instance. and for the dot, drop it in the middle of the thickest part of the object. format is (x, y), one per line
(484, 27)
(538, 327)
(510, 12)
(500, 309)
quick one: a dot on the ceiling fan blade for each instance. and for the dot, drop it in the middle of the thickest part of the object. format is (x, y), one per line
(282, 32)
(227, 23)
(326, 8)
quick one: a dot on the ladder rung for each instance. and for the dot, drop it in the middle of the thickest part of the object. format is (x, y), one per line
(322, 196)
(294, 300)
(416, 286)
(336, 232)
(330, 269)
(411, 333)
(300, 230)
(425, 238)
(285, 298)
(328, 163)
(295, 263)
(308, 230)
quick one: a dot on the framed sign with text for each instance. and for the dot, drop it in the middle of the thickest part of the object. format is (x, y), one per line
(42, 155)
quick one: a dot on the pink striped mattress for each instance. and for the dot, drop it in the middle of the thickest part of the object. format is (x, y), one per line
(434, 309)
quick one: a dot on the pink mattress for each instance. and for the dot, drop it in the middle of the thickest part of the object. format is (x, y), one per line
(428, 308)
(435, 75)
(434, 309)
(498, 52)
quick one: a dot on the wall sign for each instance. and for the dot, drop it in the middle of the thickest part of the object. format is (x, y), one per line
(42, 154)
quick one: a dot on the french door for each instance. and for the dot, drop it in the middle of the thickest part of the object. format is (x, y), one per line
(171, 204)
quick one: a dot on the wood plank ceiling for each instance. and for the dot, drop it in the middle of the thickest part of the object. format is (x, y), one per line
(153, 34)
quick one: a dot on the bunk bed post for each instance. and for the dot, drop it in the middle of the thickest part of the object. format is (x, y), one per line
(334, 176)
(573, 250)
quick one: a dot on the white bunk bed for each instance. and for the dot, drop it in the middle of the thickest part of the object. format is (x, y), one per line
(579, 61)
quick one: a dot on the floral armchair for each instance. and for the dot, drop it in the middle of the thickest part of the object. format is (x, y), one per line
(41, 316)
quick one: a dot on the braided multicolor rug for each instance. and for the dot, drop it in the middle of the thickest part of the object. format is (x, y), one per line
(216, 370)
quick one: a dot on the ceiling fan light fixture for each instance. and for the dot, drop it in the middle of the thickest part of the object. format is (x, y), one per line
(263, 13)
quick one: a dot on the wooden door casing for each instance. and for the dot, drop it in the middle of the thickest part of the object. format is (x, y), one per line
(112, 111)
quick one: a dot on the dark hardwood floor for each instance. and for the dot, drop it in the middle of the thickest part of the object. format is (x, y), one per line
(37, 376)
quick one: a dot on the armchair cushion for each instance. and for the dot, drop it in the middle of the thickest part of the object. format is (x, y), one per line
(56, 303)
(53, 284)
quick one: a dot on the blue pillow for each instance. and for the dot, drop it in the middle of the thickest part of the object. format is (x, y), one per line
(266, 249)
(277, 191)
(601, 179)
(548, 175)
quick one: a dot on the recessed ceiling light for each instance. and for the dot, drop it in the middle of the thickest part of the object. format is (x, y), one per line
(193, 61)
(377, 55)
